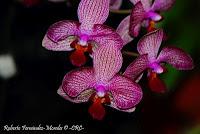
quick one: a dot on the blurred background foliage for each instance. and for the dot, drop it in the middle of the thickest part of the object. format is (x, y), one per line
(30, 96)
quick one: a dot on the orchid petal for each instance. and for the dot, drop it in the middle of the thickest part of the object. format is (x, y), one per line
(126, 93)
(137, 16)
(115, 4)
(60, 35)
(176, 57)
(123, 30)
(78, 81)
(150, 44)
(92, 12)
(107, 62)
(145, 3)
(137, 67)
(104, 35)
(162, 5)
(82, 97)
(113, 105)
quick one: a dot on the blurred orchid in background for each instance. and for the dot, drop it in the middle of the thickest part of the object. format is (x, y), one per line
(148, 48)
(84, 36)
(29, 3)
(7, 66)
(101, 84)
(145, 14)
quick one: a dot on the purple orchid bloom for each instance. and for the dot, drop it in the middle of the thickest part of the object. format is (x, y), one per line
(85, 35)
(148, 48)
(145, 13)
(101, 84)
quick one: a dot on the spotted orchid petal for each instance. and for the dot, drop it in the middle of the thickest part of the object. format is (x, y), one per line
(77, 81)
(137, 67)
(60, 35)
(176, 57)
(115, 4)
(145, 3)
(150, 44)
(136, 19)
(107, 61)
(123, 30)
(126, 93)
(82, 97)
(162, 5)
(92, 12)
(104, 35)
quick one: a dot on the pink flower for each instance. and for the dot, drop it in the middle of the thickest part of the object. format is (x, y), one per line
(150, 59)
(146, 14)
(85, 35)
(101, 84)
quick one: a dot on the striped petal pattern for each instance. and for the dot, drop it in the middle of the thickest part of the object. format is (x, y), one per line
(150, 44)
(137, 67)
(92, 12)
(58, 35)
(126, 93)
(78, 81)
(176, 57)
(137, 16)
(107, 62)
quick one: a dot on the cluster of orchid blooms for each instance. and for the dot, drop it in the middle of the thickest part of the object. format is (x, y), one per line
(102, 84)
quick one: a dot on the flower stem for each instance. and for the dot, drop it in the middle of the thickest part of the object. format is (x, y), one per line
(130, 53)
(126, 11)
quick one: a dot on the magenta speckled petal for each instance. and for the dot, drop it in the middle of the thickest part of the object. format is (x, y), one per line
(107, 62)
(104, 35)
(62, 29)
(113, 105)
(78, 81)
(150, 44)
(137, 67)
(82, 97)
(115, 4)
(123, 30)
(145, 3)
(92, 12)
(176, 57)
(58, 35)
(137, 16)
(63, 45)
(126, 93)
(162, 5)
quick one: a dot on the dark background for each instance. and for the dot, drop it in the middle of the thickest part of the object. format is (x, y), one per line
(30, 96)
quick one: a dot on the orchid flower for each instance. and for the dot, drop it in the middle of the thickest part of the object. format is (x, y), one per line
(150, 59)
(101, 84)
(145, 13)
(85, 35)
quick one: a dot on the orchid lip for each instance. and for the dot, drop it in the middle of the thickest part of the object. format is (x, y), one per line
(101, 90)
(83, 40)
(156, 68)
(153, 16)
